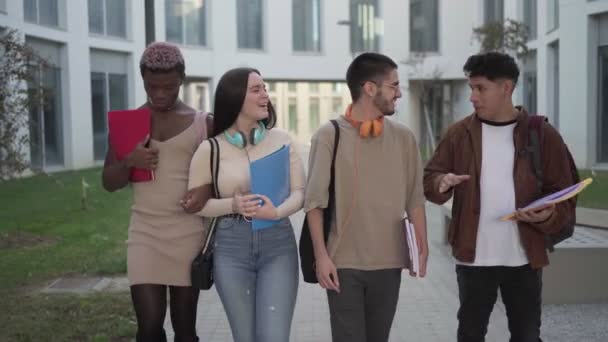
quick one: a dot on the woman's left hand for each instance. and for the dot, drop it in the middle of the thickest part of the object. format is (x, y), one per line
(266, 210)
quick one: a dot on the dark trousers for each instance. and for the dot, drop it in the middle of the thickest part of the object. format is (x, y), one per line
(364, 309)
(520, 289)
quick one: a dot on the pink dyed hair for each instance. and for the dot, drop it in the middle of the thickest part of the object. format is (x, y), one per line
(163, 57)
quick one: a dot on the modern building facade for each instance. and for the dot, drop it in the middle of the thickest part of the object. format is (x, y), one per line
(302, 48)
(563, 75)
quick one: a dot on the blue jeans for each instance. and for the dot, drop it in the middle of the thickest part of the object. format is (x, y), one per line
(256, 276)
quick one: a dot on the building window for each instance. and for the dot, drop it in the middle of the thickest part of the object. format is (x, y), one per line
(336, 87)
(493, 11)
(306, 18)
(108, 92)
(42, 12)
(554, 82)
(552, 15)
(46, 130)
(196, 94)
(530, 17)
(186, 22)
(107, 17)
(602, 119)
(424, 26)
(292, 112)
(3, 6)
(336, 106)
(291, 86)
(250, 18)
(272, 87)
(529, 83)
(313, 87)
(365, 26)
(314, 118)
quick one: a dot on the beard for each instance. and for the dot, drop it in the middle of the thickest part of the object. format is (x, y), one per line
(385, 106)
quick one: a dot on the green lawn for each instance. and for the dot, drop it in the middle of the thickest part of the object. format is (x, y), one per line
(84, 242)
(596, 194)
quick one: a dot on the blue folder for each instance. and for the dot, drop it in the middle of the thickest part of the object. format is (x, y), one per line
(270, 177)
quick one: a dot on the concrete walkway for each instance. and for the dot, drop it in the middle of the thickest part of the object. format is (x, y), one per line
(426, 311)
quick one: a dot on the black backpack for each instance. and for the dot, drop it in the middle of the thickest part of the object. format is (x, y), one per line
(535, 137)
(307, 254)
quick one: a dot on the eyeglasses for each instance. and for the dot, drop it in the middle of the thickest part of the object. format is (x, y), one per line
(395, 87)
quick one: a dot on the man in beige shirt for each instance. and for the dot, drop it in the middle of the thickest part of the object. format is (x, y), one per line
(378, 178)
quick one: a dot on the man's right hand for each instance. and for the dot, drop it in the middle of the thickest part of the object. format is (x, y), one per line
(327, 274)
(143, 157)
(450, 180)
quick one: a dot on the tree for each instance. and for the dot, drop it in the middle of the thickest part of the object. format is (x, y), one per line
(508, 37)
(17, 94)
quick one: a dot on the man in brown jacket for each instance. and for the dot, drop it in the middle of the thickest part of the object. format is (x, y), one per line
(483, 163)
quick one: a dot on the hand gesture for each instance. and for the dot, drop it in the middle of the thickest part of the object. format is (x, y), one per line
(450, 180)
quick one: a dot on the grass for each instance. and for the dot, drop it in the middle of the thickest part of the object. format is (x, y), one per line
(83, 242)
(596, 194)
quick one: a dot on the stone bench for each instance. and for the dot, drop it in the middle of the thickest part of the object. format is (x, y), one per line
(578, 270)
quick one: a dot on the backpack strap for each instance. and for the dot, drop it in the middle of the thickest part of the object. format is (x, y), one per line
(332, 182)
(534, 147)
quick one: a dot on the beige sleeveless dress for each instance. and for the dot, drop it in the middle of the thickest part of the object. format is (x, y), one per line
(163, 239)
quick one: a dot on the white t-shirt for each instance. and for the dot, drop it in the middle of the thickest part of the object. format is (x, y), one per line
(498, 243)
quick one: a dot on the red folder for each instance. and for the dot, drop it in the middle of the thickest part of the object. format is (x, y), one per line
(127, 128)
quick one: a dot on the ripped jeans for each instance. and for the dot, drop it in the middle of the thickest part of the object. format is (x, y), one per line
(256, 276)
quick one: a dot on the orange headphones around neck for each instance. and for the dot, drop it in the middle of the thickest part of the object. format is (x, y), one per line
(366, 128)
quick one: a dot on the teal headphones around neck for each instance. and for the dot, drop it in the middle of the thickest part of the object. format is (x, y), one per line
(239, 140)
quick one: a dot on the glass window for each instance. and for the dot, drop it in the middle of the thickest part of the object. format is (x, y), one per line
(336, 106)
(116, 21)
(291, 86)
(313, 87)
(99, 109)
(493, 11)
(364, 22)
(43, 12)
(292, 112)
(306, 32)
(530, 17)
(46, 130)
(3, 6)
(552, 15)
(186, 22)
(424, 25)
(250, 24)
(602, 119)
(108, 92)
(108, 17)
(96, 14)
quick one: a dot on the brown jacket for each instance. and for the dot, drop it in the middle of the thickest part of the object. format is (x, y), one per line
(460, 153)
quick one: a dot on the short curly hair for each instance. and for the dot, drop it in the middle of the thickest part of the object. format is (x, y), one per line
(493, 66)
(162, 57)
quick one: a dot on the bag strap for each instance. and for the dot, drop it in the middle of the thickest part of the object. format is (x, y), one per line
(214, 164)
(332, 177)
(534, 147)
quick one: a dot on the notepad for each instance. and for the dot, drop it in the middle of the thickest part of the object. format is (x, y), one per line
(270, 177)
(412, 253)
(127, 128)
(554, 198)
